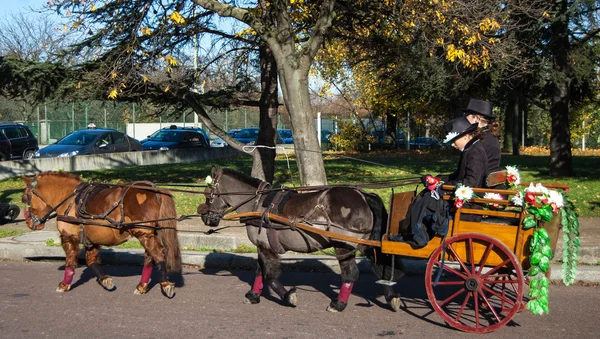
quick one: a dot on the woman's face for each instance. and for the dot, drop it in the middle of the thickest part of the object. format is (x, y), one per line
(473, 118)
(461, 142)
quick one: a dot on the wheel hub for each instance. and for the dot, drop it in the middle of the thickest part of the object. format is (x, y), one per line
(471, 284)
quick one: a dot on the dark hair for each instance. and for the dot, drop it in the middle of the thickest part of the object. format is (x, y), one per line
(478, 134)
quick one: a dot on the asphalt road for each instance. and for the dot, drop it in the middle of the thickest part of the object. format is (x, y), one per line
(209, 305)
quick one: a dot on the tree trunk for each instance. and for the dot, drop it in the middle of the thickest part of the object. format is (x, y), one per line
(561, 162)
(513, 111)
(508, 124)
(263, 165)
(294, 84)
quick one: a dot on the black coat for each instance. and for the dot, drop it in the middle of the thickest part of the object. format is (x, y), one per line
(472, 167)
(492, 150)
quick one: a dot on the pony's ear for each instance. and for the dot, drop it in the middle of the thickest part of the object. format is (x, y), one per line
(27, 180)
(213, 171)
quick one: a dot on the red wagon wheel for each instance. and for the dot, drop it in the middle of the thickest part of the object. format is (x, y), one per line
(480, 286)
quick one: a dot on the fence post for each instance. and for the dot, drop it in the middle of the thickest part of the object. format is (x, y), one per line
(104, 117)
(319, 127)
(46, 119)
(72, 116)
(133, 117)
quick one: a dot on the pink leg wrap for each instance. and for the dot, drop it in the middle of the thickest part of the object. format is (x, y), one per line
(258, 284)
(68, 278)
(146, 273)
(345, 291)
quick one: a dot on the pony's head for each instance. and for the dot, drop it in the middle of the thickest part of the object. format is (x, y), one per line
(44, 194)
(38, 210)
(213, 209)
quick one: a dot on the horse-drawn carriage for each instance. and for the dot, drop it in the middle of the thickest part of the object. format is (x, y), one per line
(475, 272)
(474, 277)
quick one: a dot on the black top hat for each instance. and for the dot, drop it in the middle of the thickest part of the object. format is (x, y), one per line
(458, 127)
(483, 108)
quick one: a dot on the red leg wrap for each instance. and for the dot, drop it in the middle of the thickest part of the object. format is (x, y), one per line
(146, 273)
(345, 291)
(68, 278)
(258, 284)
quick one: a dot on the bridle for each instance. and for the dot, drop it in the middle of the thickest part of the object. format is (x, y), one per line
(215, 192)
(52, 212)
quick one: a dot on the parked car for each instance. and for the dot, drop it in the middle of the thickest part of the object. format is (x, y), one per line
(22, 144)
(425, 143)
(286, 136)
(220, 142)
(5, 148)
(380, 137)
(247, 135)
(325, 134)
(90, 141)
(175, 137)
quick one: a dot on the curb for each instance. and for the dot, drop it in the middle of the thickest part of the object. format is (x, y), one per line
(19, 251)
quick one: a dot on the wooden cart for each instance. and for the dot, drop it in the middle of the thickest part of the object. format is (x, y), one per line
(474, 277)
(475, 274)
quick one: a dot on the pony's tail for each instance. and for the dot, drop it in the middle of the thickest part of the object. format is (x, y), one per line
(167, 234)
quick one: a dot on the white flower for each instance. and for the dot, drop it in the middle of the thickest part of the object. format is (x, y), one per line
(556, 197)
(493, 196)
(450, 136)
(208, 180)
(512, 170)
(464, 193)
(517, 199)
(538, 188)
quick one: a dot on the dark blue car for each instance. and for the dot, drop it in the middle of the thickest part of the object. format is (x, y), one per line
(174, 137)
(90, 141)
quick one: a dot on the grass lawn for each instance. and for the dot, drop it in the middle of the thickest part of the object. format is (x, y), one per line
(342, 168)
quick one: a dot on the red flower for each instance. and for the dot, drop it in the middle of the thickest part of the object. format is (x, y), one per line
(530, 198)
(458, 203)
(512, 178)
(544, 200)
(554, 207)
(432, 182)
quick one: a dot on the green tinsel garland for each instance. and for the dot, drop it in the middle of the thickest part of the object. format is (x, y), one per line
(570, 227)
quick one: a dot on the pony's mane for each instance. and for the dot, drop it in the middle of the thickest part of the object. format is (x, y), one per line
(241, 177)
(59, 174)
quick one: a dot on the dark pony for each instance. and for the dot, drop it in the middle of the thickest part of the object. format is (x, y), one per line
(344, 210)
(106, 215)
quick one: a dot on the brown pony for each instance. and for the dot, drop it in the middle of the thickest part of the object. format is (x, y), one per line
(106, 215)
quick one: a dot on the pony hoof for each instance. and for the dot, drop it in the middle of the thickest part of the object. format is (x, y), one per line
(336, 306)
(251, 298)
(62, 287)
(394, 301)
(168, 289)
(141, 288)
(290, 298)
(107, 283)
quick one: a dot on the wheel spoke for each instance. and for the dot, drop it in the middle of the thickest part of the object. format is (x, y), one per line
(493, 270)
(458, 259)
(456, 294)
(471, 257)
(489, 305)
(476, 301)
(501, 297)
(501, 281)
(451, 270)
(484, 257)
(446, 283)
(462, 308)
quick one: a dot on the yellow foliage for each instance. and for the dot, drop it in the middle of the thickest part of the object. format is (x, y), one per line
(144, 78)
(146, 31)
(246, 31)
(113, 94)
(171, 61)
(166, 89)
(177, 18)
